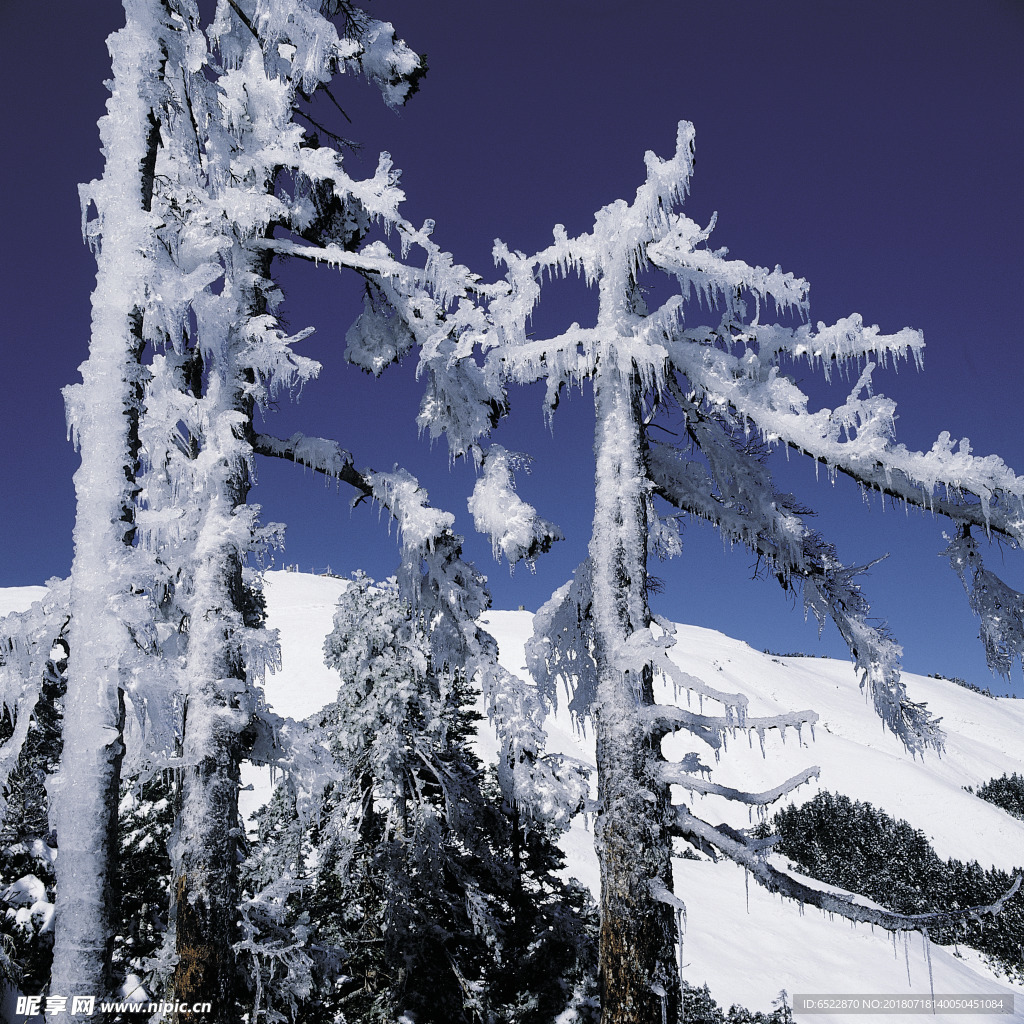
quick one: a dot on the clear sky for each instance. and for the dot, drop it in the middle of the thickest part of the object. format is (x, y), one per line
(874, 147)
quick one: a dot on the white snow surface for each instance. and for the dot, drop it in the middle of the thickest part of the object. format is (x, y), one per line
(749, 947)
(745, 943)
(18, 599)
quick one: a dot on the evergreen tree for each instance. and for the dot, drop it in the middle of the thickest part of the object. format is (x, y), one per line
(860, 848)
(446, 904)
(27, 844)
(1007, 792)
(145, 822)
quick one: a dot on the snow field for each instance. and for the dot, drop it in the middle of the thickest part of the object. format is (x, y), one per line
(744, 942)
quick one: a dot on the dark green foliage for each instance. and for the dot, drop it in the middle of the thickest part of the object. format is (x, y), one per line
(984, 691)
(1006, 792)
(546, 927)
(26, 929)
(700, 1008)
(862, 849)
(426, 893)
(25, 792)
(27, 879)
(479, 927)
(144, 873)
(28, 850)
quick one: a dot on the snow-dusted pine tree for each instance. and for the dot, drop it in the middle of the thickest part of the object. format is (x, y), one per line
(598, 634)
(33, 682)
(441, 905)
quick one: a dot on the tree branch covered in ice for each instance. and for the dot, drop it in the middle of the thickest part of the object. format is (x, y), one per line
(515, 529)
(1000, 608)
(26, 645)
(733, 490)
(750, 853)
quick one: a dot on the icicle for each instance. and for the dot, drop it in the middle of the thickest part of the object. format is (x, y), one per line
(928, 958)
(659, 991)
(906, 953)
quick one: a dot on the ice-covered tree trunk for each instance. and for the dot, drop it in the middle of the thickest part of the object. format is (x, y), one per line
(219, 702)
(205, 896)
(727, 382)
(639, 977)
(103, 415)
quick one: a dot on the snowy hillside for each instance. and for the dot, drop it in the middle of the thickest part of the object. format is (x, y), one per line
(748, 947)
(17, 599)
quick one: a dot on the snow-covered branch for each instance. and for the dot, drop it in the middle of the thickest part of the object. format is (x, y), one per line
(26, 642)
(675, 775)
(661, 719)
(644, 648)
(741, 501)
(515, 529)
(735, 847)
(560, 651)
(375, 259)
(316, 453)
(1000, 607)
(856, 438)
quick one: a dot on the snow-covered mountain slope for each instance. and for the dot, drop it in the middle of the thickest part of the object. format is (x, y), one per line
(745, 943)
(17, 599)
(748, 945)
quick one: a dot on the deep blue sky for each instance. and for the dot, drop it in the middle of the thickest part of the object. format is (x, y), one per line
(872, 147)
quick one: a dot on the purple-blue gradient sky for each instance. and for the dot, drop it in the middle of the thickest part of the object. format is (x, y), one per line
(874, 147)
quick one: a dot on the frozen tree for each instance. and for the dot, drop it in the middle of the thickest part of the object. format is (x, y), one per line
(402, 854)
(449, 593)
(108, 612)
(32, 695)
(598, 635)
(419, 299)
(209, 178)
(234, 168)
(204, 163)
(33, 680)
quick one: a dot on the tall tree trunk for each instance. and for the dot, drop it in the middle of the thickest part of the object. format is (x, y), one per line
(219, 701)
(205, 893)
(639, 975)
(103, 411)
